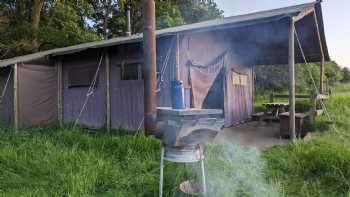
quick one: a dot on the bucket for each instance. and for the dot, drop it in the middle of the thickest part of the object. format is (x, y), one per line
(177, 95)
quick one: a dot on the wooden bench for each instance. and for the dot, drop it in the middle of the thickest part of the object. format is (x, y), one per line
(313, 98)
(299, 124)
(257, 116)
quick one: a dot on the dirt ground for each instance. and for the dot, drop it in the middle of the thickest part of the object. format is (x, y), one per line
(263, 135)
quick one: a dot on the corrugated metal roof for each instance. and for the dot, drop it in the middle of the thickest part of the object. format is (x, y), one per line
(228, 22)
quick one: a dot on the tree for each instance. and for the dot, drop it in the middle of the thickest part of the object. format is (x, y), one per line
(27, 26)
(273, 77)
(41, 24)
(198, 10)
(109, 18)
(35, 20)
(64, 25)
(332, 72)
(346, 75)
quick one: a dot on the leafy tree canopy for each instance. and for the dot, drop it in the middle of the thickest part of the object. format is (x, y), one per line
(30, 26)
(346, 75)
(273, 77)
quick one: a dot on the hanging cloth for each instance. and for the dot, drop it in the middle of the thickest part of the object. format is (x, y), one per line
(202, 78)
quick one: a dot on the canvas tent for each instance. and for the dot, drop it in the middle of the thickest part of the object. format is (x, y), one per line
(215, 60)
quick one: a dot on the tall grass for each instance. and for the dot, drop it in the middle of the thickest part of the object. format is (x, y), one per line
(321, 166)
(73, 163)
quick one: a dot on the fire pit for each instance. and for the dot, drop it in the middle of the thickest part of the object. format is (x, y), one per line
(184, 131)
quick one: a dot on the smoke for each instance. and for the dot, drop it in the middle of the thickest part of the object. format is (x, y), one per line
(233, 170)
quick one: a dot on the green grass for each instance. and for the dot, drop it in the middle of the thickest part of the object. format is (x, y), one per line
(74, 162)
(321, 166)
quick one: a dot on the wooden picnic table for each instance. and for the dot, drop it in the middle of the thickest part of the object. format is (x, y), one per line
(275, 108)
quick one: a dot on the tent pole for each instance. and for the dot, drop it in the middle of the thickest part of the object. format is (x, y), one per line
(322, 54)
(291, 66)
(108, 94)
(15, 96)
(60, 91)
(322, 76)
(177, 71)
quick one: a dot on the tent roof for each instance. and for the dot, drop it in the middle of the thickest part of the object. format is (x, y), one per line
(222, 23)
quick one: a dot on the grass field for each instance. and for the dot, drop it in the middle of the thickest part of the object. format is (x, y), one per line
(67, 162)
(73, 162)
(320, 167)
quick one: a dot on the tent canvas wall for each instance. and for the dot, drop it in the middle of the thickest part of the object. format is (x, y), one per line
(126, 86)
(214, 59)
(36, 92)
(37, 95)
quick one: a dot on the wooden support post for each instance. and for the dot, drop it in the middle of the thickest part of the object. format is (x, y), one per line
(322, 54)
(291, 66)
(253, 89)
(313, 108)
(108, 94)
(15, 97)
(60, 91)
(322, 76)
(177, 67)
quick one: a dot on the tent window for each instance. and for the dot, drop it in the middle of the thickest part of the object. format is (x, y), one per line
(81, 76)
(131, 71)
(239, 79)
(4, 72)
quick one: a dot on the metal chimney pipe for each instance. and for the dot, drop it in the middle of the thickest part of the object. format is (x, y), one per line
(149, 67)
(128, 19)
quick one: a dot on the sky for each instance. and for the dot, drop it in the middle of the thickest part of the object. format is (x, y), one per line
(336, 14)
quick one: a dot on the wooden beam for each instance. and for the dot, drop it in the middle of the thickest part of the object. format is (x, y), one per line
(15, 97)
(291, 66)
(306, 11)
(108, 94)
(58, 63)
(322, 54)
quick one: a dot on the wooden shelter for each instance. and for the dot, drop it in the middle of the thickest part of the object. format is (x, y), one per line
(100, 84)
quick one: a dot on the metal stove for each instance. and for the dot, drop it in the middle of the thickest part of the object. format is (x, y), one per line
(183, 133)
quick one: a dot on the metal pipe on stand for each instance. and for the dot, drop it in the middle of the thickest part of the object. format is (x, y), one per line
(128, 19)
(149, 68)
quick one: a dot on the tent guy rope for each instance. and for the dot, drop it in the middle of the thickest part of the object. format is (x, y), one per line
(6, 85)
(164, 67)
(89, 93)
(313, 81)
